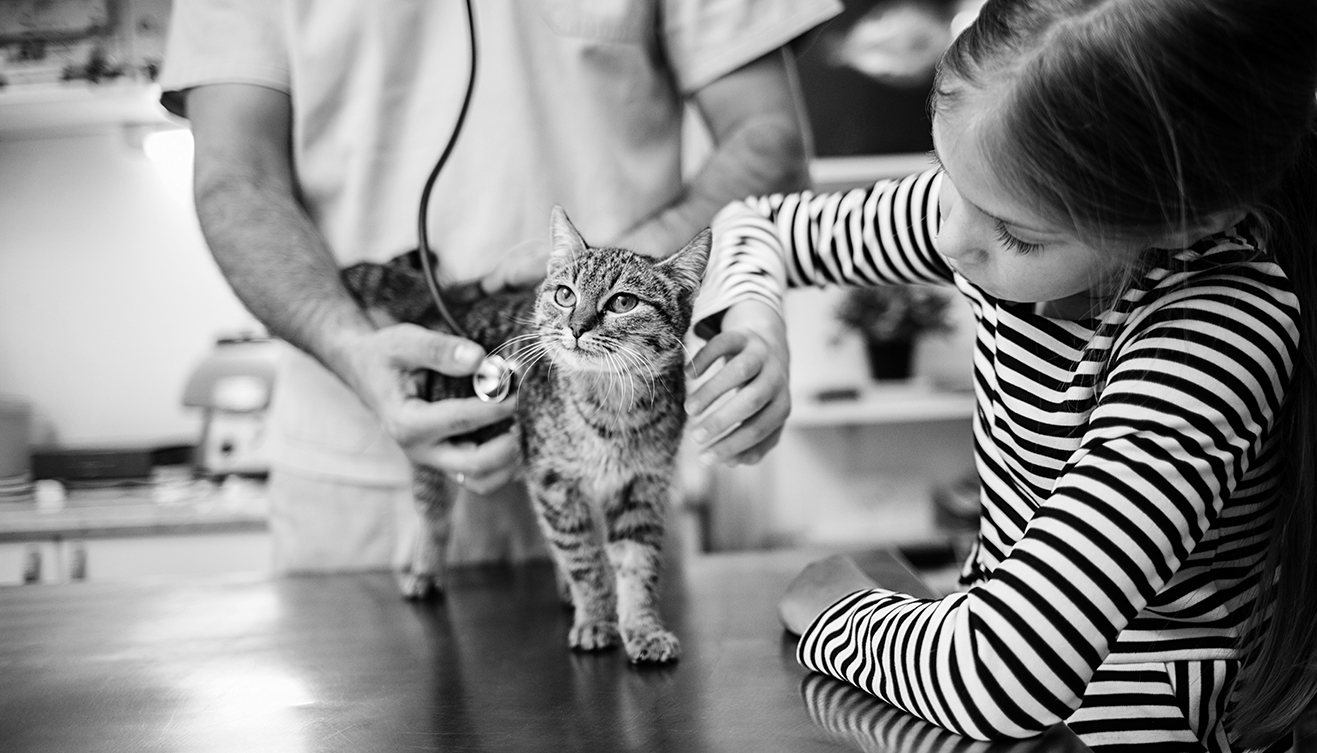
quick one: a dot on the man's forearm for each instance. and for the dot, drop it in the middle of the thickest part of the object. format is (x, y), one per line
(278, 265)
(765, 155)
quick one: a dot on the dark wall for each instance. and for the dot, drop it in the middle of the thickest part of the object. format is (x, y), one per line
(854, 114)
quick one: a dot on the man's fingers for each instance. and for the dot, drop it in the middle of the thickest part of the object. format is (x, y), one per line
(415, 347)
(446, 418)
(478, 463)
(490, 482)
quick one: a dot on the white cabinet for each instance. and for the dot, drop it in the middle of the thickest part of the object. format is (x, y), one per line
(857, 473)
(45, 111)
(852, 472)
(174, 527)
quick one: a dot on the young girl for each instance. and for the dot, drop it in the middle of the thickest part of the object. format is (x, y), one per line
(1126, 197)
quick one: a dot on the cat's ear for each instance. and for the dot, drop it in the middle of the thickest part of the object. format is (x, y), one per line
(567, 243)
(686, 267)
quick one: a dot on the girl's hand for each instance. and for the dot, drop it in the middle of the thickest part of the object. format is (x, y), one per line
(742, 406)
(820, 585)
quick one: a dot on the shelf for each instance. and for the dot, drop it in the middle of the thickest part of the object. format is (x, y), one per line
(905, 402)
(843, 173)
(37, 111)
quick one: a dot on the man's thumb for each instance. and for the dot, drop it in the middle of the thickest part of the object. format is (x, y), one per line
(447, 354)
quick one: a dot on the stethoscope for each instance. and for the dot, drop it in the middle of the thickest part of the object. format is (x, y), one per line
(492, 379)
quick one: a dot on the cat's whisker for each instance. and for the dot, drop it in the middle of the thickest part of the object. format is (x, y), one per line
(629, 362)
(618, 373)
(611, 373)
(508, 348)
(633, 369)
(644, 364)
(681, 342)
(520, 338)
(533, 355)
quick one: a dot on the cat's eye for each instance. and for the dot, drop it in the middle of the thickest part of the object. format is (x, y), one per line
(564, 296)
(621, 303)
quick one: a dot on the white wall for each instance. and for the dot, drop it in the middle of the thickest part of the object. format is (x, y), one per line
(108, 296)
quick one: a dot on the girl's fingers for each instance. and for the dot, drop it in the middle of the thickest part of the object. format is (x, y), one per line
(739, 406)
(722, 345)
(757, 453)
(736, 373)
(758, 432)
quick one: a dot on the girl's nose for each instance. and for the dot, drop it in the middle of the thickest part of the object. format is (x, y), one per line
(956, 237)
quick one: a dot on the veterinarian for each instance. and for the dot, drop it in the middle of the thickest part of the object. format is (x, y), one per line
(316, 125)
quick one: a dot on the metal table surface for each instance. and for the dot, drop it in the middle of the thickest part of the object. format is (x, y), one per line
(340, 663)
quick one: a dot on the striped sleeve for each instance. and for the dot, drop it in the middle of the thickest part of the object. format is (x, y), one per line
(1189, 394)
(866, 236)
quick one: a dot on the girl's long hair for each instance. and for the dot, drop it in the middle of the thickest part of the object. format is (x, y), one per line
(1126, 118)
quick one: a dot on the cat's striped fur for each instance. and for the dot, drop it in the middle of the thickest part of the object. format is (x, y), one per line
(599, 344)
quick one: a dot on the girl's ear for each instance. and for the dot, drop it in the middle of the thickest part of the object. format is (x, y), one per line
(686, 266)
(566, 244)
(1196, 231)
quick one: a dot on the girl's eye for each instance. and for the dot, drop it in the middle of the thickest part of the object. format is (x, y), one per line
(1013, 243)
(621, 303)
(564, 296)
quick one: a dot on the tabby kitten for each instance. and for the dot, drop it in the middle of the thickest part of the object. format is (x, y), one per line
(598, 348)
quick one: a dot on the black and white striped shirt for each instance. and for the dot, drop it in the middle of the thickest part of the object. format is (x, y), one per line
(1127, 464)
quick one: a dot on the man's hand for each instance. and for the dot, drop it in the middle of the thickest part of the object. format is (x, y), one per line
(280, 267)
(383, 367)
(523, 266)
(741, 408)
(820, 585)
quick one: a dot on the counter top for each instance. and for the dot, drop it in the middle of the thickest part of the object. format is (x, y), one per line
(340, 663)
(196, 506)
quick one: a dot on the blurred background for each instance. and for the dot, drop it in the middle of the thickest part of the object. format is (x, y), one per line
(132, 382)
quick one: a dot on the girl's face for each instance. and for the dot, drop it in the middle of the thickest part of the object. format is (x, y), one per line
(1000, 241)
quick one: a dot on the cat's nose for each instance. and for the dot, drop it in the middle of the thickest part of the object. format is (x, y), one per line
(583, 320)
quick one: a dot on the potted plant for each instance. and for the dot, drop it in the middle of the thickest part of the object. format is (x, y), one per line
(889, 319)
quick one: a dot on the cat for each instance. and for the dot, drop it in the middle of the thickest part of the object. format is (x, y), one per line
(600, 407)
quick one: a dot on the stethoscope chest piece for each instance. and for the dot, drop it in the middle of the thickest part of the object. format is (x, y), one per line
(493, 379)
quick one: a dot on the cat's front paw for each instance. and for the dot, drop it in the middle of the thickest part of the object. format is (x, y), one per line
(594, 636)
(652, 646)
(419, 586)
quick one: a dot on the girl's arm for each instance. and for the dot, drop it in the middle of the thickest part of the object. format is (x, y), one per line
(1180, 422)
(866, 236)
(762, 246)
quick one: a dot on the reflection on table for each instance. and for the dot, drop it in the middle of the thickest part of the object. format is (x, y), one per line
(862, 722)
(340, 663)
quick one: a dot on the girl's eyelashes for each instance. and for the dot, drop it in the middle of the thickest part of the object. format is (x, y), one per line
(1013, 243)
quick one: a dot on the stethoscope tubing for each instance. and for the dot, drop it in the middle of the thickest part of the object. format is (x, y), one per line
(493, 378)
(422, 232)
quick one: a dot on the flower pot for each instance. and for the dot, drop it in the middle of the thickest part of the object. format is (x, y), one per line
(890, 360)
